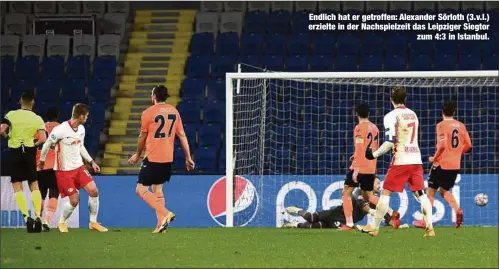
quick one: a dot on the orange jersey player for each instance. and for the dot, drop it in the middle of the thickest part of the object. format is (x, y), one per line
(362, 171)
(47, 181)
(452, 141)
(160, 124)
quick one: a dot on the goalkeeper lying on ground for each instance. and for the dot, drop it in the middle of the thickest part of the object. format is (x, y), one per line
(334, 217)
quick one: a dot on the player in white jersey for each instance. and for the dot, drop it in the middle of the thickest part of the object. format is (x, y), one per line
(69, 168)
(401, 136)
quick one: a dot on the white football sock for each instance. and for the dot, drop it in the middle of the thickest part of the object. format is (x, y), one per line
(93, 208)
(67, 210)
(426, 208)
(381, 210)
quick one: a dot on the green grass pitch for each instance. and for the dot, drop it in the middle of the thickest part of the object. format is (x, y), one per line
(250, 247)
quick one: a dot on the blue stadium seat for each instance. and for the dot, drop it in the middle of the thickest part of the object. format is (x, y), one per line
(275, 44)
(227, 44)
(27, 68)
(491, 62)
(279, 22)
(346, 63)
(419, 62)
(299, 44)
(65, 110)
(445, 47)
(372, 43)
(191, 131)
(20, 86)
(214, 112)
(470, 48)
(395, 62)
(105, 67)
(255, 22)
(253, 60)
(397, 43)
(251, 44)
(372, 62)
(325, 43)
(222, 65)
(469, 62)
(209, 135)
(444, 62)
(78, 67)
(49, 90)
(274, 62)
(98, 111)
(53, 68)
(202, 44)
(205, 159)
(348, 43)
(322, 63)
(73, 90)
(198, 66)
(216, 89)
(193, 88)
(7, 67)
(190, 110)
(40, 109)
(300, 22)
(419, 47)
(297, 63)
(99, 89)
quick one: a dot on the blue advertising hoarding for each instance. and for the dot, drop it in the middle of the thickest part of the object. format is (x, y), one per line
(199, 201)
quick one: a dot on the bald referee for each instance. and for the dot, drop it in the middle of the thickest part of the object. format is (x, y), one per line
(19, 127)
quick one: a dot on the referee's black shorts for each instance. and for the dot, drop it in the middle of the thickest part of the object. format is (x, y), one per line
(22, 164)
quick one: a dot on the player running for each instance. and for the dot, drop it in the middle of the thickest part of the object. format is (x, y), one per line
(401, 135)
(334, 217)
(22, 125)
(70, 171)
(160, 123)
(46, 177)
(452, 141)
(362, 171)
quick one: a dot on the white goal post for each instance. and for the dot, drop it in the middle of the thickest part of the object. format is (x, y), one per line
(233, 88)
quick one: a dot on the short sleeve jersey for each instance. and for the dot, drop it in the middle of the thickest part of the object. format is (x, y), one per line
(401, 128)
(50, 160)
(23, 125)
(68, 146)
(454, 134)
(366, 134)
(162, 123)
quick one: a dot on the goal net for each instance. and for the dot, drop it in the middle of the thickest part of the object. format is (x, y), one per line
(289, 138)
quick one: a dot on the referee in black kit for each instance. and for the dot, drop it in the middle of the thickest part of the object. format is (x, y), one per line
(19, 127)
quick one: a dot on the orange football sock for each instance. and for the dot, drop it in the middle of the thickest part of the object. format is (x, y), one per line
(150, 199)
(52, 207)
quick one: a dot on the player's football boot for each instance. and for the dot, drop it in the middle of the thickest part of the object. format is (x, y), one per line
(345, 228)
(368, 229)
(429, 233)
(166, 221)
(293, 210)
(63, 227)
(459, 218)
(395, 220)
(95, 226)
(419, 224)
(37, 227)
(30, 223)
(289, 225)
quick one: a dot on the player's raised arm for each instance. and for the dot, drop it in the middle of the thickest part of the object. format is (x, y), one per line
(389, 123)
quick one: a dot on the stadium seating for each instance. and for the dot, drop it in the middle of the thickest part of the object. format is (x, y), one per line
(273, 36)
(61, 69)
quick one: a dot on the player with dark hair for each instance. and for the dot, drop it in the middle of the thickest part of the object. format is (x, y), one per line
(160, 123)
(401, 135)
(452, 141)
(46, 177)
(362, 171)
(19, 127)
(69, 169)
(334, 217)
